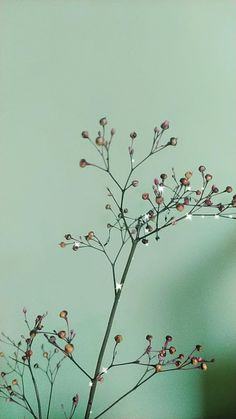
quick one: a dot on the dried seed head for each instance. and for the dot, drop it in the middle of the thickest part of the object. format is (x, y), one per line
(159, 200)
(45, 354)
(113, 131)
(14, 382)
(194, 360)
(83, 163)
(118, 338)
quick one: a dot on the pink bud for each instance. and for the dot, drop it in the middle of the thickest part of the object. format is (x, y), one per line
(156, 181)
(165, 125)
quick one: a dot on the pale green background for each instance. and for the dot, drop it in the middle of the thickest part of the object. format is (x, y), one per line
(65, 64)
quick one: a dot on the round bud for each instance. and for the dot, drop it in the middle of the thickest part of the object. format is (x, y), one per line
(69, 348)
(118, 338)
(156, 130)
(220, 207)
(229, 189)
(233, 203)
(208, 202)
(76, 246)
(100, 141)
(145, 196)
(90, 235)
(214, 189)
(108, 206)
(61, 334)
(33, 334)
(184, 181)
(204, 366)
(14, 382)
(181, 356)
(155, 181)
(45, 354)
(159, 200)
(103, 121)
(149, 338)
(62, 245)
(177, 363)
(186, 201)
(85, 134)
(165, 125)
(199, 348)
(169, 338)
(125, 211)
(83, 163)
(158, 368)
(2, 355)
(133, 135)
(208, 177)
(28, 353)
(163, 176)
(52, 339)
(172, 350)
(194, 360)
(188, 174)
(68, 236)
(198, 192)
(145, 241)
(173, 141)
(24, 358)
(113, 131)
(135, 183)
(63, 314)
(201, 169)
(179, 207)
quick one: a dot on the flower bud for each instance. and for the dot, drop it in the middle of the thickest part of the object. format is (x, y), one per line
(61, 334)
(208, 177)
(172, 350)
(184, 181)
(158, 368)
(36, 366)
(177, 363)
(145, 196)
(165, 125)
(113, 131)
(85, 134)
(145, 241)
(201, 169)
(208, 202)
(45, 354)
(133, 135)
(2, 354)
(63, 314)
(198, 192)
(62, 245)
(28, 353)
(169, 338)
(33, 333)
(68, 236)
(229, 189)
(188, 174)
(194, 360)
(179, 207)
(103, 121)
(90, 235)
(199, 348)
(76, 246)
(135, 183)
(100, 141)
(83, 163)
(186, 201)
(149, 338)
(163, 176)
(156, 130)
(159, 200)
(204, 366)
(118, 338)
(69, 348)
(173, 141)
(214, 189)
(181, 356)
(220, 207)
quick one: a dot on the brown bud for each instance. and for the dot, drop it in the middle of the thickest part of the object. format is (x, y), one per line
(201, 169)
(103, 121)
(214, 189)
(135, 183)
(145, 196)
(172, 350)
(180, 207)
(85, 134)
(63, 314)
(229, 189)
(173, 141)
(100, 141)
(83, 163)
(149, 338)
(28, 353)
(45, 354)
(208, 177)
(165, 125)
(62, 245)
(184, 181)
(14, 382)
(113, 131)
(169, 338)
(208, 202)
(61, 334)
(159, 200)
(118, 338)
(158, 368)
(69, 348)
(90, 235)
(204, 366)
(32, 334)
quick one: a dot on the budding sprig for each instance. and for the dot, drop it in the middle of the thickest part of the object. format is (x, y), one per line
(74, 405)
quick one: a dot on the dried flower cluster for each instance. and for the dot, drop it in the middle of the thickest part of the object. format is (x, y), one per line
(170, 200)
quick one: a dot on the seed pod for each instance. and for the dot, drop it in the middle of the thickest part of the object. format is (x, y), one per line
(69, 348)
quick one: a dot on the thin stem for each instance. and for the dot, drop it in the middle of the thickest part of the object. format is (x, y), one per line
(107, 333)
(36, 391)
(50, 399)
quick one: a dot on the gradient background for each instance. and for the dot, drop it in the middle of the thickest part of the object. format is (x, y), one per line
(65, 64)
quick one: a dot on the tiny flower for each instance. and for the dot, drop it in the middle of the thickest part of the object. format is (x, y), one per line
(179, 207)
(118, 338)
(69, 348)
(229, 189)
(220, 207)
(173, 141)
(76, 246)
(188, 174)
(204, 366)
(103, 121)
(201, 169)
(135, 183)
(85, 134)
(133, 135)
(62, 245)
(63, 314)
(83, 163)
(158, 368)
(100, 141)
(145, 196)
(165, 125)
(68, 236)
(208, 177)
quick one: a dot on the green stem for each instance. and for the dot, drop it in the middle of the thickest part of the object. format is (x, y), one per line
(107, 333)
(36, 392)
